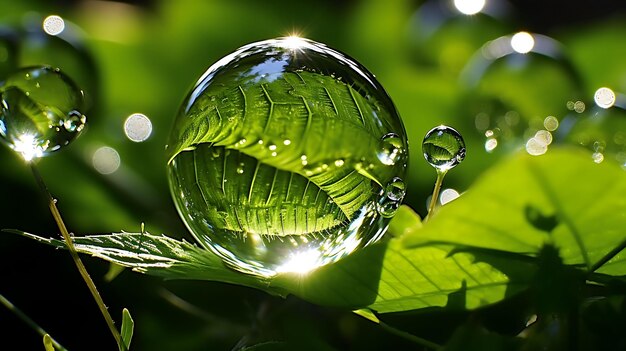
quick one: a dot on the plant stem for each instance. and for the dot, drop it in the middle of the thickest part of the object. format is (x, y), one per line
(79, 264)
(409, 336)
(435, 196)
(21, 315)
(619, 248)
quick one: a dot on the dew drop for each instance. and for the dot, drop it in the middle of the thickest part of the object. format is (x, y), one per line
(40, 111)
(391, 197)
(443, 148)
(309, 194)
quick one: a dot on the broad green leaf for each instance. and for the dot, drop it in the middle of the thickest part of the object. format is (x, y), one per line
(128, 326)
(561, 197)
(385, 276)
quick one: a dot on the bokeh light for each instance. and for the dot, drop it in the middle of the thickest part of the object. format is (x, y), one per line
(106, 160)
(53, 25)
(469, 7)
(138, 127)
(522, 42)
(604, 97)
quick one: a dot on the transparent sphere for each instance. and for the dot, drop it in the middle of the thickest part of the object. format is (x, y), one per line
(285, 156)
(443, 148)
(40, 111)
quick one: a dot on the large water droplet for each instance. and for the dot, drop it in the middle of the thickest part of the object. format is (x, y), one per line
(306, 189)
(40, 111)
(443, 148)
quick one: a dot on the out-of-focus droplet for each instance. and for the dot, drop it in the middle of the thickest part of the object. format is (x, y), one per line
(106, 160)
(604, 97)
(536, 146)
(491, 144)
(443, 148)
(551, 123)
(448, 195)
(40, 111)
(53, 25)
(138, 127)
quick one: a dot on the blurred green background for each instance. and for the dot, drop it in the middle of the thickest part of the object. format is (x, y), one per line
(144, 56)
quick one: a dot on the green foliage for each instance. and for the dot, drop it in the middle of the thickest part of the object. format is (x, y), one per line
(460, 259)
(128, 327)
(540, 227)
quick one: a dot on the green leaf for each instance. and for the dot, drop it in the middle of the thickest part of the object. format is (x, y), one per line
(367, 314)
(561, 197)
(235, 125)
(477, 250)
(128, 326)
(47, 342)
(385, 276)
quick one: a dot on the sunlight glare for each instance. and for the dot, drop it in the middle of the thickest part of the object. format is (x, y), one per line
(469, 7)
(522, 42)
(53, 25)
(604, 97)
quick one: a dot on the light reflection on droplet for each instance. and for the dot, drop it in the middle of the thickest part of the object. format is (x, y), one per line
(469, 7)
(106, 160)
(551, 123)
(522, 42)
(604, 97)
(536, 147)
(448, 195)
(27, 146)
(53, 25)
(301, 262)
(491, 144)
(138, 127)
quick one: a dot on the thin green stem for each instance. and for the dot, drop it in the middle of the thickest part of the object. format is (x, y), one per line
(409, 336)
(79, 264)
(21, 315)
(435, 197)
(606, 258)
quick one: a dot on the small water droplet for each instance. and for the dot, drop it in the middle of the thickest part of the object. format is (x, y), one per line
(272, 147)
(391, 197)
(35, 103)
(391, 149)
(443, 148)
(339, 163)
(240, 170)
